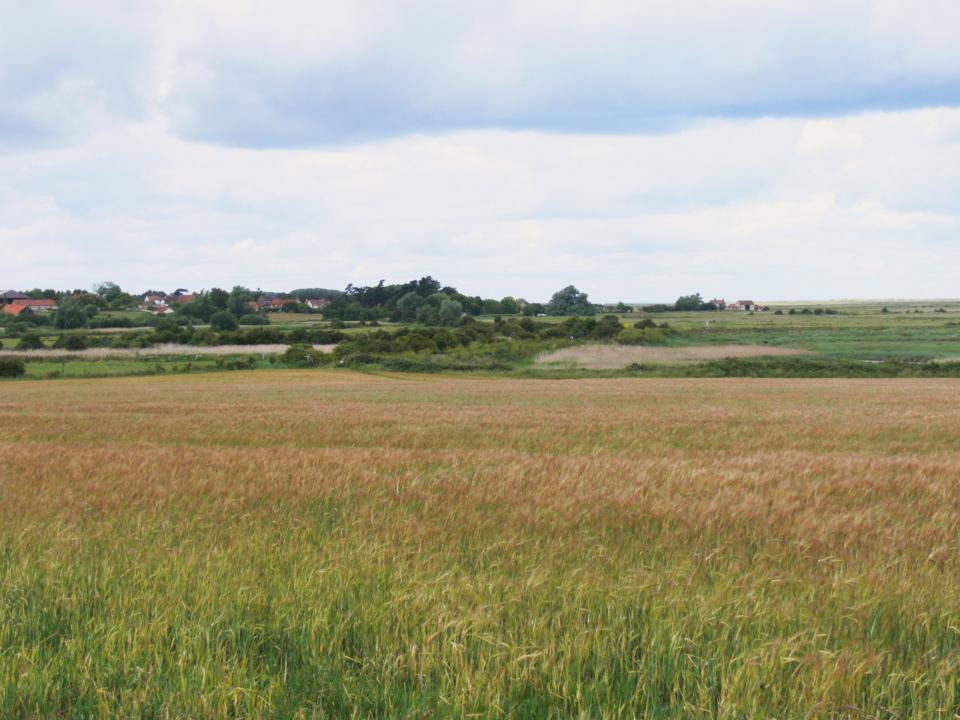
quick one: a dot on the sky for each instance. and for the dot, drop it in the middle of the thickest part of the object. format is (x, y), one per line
(638, 149)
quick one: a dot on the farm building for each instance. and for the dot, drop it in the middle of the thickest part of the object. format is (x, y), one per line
(274, 304)
(745, 306)
(18, 305)
(157, 304)
(8, 296)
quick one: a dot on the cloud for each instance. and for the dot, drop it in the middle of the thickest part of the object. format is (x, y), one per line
(368, 70)
(636, 149)
(865, 205)
(68, 68)
(254, 74)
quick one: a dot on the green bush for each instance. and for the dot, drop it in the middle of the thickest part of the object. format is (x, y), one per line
(802, 367)
(30, 342)
(223, 321)
(12, 367)
(646, 336)
(254, 319)
(71, 342)
(304, 356)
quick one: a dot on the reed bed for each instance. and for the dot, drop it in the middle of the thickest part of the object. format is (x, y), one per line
(317, 544)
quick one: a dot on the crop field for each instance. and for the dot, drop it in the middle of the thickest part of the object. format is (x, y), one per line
(321, 544)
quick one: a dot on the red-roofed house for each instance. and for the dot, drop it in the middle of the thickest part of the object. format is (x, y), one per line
(275, 303)
(35, 305)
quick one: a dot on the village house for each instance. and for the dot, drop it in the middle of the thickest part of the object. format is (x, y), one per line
(316, 304)
(37, 304)
(8, 296)
(273, 304)
(18, 306)
(153, 303)
(746, 306)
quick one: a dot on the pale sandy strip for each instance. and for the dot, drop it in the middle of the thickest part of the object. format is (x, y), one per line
(165, 349)
(610, 357)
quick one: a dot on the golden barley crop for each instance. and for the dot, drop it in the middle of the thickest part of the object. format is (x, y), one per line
(318, 544)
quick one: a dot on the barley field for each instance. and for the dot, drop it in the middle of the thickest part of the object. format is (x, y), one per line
(326, 544)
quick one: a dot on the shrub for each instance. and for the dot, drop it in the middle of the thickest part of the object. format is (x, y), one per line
(223, 320)
(30, 342)
(253, 319)
(71, 342)
(75, 342)
(647, 336)
(304, 356)
(608, 327)
(12, 367)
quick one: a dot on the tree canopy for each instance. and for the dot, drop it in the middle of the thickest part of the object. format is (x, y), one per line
(570, 301)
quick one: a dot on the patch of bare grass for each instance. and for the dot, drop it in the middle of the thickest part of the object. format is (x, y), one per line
(161, 350)
(613, 357)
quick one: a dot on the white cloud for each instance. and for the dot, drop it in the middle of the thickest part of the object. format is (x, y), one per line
(638, 149)
(253, 73)
(768, 208)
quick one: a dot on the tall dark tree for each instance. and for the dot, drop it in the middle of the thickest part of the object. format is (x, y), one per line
(107, 290)
(238, 302)
(570, 301)
(219, 298)
(71, 314)
(686, 303)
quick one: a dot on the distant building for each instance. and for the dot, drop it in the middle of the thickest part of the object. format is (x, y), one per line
(157, 304)
(273, 304)
(720, 303)
(8, 296)
(35, 304)
(746, 306)
(316, 304)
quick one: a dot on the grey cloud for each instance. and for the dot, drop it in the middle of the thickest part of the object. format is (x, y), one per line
(641, 67)
(311, 74)
(69, 68)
